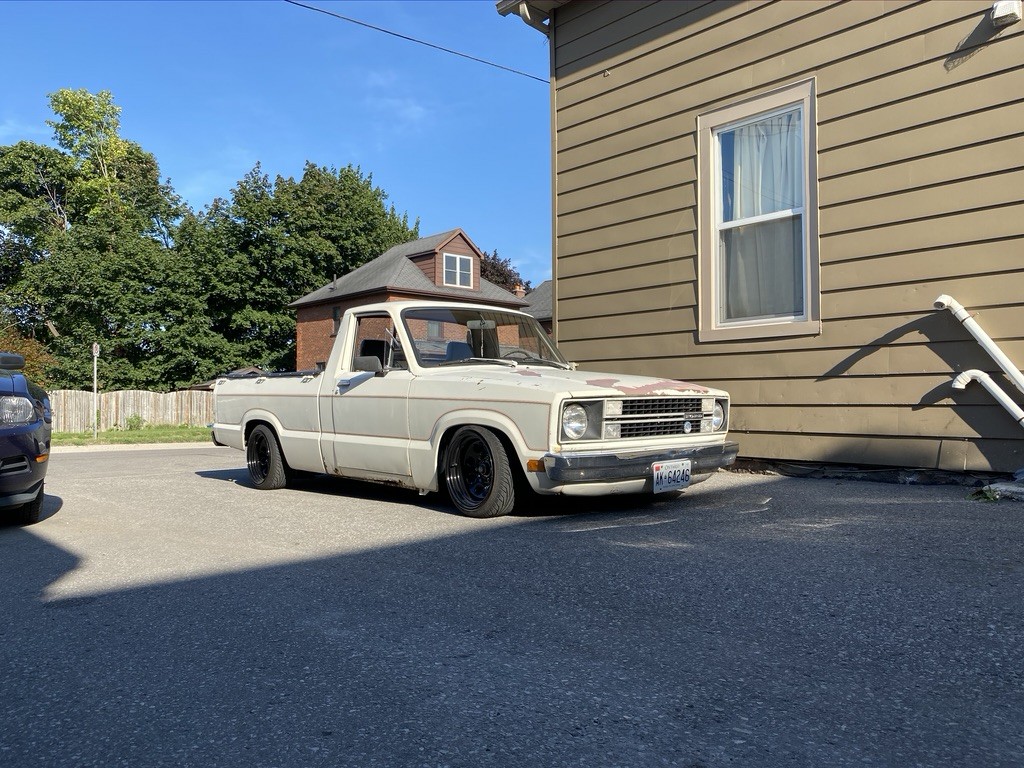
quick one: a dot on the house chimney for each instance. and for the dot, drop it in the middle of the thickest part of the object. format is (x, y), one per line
(519, 291)
(334, 283)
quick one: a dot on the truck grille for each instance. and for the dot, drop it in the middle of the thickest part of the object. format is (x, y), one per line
(672, 406)
(659, 416)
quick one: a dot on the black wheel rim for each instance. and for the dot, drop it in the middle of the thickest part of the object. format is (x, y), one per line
(258, 457)
(470, 472)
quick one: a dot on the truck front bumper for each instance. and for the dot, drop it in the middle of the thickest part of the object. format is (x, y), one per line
(605, 467)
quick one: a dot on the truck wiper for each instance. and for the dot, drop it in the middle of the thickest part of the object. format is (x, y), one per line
(480, 361)
(542, 361)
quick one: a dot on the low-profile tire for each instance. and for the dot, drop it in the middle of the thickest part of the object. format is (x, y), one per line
(477, 474)
(31, 513)
(263, 457)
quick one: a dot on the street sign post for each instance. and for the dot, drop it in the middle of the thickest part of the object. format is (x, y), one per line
(95, 390)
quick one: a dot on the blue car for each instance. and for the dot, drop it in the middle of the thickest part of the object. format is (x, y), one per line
(25, 422)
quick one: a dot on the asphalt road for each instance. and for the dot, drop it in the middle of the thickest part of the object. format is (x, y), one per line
(167, 614)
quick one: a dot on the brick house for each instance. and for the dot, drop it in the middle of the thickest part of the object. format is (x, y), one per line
(445, 266)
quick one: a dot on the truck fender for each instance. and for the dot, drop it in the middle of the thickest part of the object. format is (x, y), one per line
(426, 456)
(257, 415)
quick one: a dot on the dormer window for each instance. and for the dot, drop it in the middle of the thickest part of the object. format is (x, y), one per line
(458, 271)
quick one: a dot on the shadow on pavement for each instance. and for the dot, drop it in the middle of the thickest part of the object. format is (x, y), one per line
(724, 628)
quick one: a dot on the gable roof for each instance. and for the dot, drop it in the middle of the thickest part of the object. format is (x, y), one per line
(393, 271)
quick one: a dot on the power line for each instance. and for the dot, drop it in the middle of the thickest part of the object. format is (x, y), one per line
(415, 40)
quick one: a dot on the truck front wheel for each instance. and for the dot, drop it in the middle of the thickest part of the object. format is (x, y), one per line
(477, 474)
(263, 457)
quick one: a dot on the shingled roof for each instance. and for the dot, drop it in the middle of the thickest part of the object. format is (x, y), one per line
(538, 301)
(393, 272)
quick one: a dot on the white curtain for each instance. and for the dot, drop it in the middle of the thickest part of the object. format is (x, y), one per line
(763, 262)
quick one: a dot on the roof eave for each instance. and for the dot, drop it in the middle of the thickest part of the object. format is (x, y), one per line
(535, 13)
(406, 291)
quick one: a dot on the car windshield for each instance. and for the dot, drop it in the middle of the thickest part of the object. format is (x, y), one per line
(467, 336)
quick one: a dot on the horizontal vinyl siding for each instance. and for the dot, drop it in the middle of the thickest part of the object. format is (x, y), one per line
(921, 192)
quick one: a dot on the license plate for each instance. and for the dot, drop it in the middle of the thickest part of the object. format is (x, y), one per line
(671, 475)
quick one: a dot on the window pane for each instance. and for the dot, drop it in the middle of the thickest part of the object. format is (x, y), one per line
(762, 166)
(762, 270)
(458, 270)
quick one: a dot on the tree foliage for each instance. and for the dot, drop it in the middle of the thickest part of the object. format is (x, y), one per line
(501, 272)
(95, 247)
(272, 243)
(37, 358)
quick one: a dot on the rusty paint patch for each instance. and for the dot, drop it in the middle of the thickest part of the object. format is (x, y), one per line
(662, 387)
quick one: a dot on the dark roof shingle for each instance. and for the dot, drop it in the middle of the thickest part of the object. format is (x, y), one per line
(394, 271)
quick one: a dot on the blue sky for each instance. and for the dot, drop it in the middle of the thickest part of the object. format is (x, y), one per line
(210, 88)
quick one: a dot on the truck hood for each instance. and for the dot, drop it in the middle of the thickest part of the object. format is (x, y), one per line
(572, 383)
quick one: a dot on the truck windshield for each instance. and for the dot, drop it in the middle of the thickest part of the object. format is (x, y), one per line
(466, 336)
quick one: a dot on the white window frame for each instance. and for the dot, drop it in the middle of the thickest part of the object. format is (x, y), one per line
(463, 265)
(709, 279)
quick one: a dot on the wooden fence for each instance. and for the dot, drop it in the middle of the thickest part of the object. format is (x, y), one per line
(73, 409)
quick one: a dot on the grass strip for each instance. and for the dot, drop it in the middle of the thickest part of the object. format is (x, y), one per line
(134, 436)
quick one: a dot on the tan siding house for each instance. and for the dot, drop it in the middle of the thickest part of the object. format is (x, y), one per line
(769, 196)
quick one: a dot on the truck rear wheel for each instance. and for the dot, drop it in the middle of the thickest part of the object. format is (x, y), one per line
(477, 474)
(263, 457)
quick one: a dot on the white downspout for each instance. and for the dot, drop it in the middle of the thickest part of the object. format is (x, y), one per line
(961, 382)
(961, 314)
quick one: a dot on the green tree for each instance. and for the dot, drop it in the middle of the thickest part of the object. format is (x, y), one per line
(35, 183)
(88, 228)
(94, 247)
(501, 272)
(87, 129)
(275, 242)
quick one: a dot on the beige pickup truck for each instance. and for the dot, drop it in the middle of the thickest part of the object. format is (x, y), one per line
(475, 402)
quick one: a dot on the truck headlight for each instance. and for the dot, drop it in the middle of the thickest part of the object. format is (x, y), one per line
(718, 417)
(574, 421)
(16, 410)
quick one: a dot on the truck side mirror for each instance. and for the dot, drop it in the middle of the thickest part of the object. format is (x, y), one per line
(368, 364)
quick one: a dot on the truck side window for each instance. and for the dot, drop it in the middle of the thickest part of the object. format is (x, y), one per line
(375, 336)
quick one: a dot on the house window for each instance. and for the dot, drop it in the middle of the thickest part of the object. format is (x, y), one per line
(758, 262)
(336, 316)
(458, 271)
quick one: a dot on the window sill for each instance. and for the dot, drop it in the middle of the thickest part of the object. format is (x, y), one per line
(762, 331)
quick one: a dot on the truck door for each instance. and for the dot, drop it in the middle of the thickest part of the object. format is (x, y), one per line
(368, 430)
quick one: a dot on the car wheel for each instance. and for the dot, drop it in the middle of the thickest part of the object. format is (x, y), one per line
(263, 457)
(477, 474)
(32, 512)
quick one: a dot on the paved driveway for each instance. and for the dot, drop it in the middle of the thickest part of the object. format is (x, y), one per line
(167, 614)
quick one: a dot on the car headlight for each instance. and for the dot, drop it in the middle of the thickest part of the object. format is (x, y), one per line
(574, 421)
(718, 417)
(16, 410)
